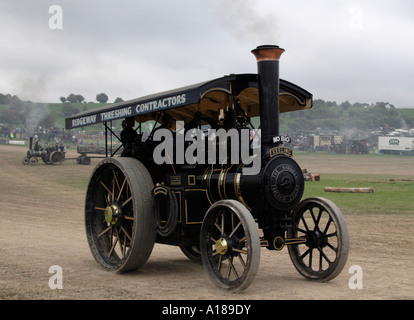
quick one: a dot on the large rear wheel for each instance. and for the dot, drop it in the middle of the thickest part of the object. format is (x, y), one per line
(56, 157)
(118, 215)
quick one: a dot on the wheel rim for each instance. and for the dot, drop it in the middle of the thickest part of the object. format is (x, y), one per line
(86, 160)
(324, 254)
(33, 161)
(118, 220)
(230, 245)
(56, 157)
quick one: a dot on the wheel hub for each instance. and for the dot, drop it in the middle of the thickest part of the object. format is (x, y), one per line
(221, 246)
(112, 214)
(316, 239)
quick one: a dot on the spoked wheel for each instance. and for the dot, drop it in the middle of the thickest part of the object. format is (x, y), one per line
(324, 254)
(230, 245)
(33, 161)
(118, 216)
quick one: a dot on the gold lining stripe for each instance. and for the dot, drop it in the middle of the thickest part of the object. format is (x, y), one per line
(229, 91)
(240, 251)
(264, 243)
(106, 188)
(185, 205)
(126, 201)
(237, 190)
(179, 205)
(224, 187)
(295, 241)
(193, 178)
(160, 190)
(220, 183)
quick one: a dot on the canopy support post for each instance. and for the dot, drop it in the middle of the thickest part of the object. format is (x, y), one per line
(106, 140)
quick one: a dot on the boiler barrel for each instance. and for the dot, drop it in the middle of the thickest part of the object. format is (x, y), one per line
(228, 182)
(31, 153)
(280, 184)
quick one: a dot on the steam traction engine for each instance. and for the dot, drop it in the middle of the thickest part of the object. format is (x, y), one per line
(213, 212)
(49, 155)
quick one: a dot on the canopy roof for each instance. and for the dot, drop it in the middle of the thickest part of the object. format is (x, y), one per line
(205, 98)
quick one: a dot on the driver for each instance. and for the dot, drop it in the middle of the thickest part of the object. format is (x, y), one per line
(129, 135)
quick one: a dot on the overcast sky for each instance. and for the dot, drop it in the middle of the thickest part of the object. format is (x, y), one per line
(355, 50)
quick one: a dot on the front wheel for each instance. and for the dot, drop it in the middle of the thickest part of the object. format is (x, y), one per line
(230, 245)
(118, 216)
(324, 253)
(33, 161)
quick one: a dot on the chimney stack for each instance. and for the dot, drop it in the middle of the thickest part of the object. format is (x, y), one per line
(268, 73)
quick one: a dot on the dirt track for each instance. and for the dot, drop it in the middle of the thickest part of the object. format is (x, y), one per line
(42, 225)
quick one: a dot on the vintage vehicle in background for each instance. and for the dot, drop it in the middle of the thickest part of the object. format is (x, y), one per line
(88, 152)
(50, 154)
(214, 211)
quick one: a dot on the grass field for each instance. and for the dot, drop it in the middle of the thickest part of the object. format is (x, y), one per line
(388, 197)
(384, 173)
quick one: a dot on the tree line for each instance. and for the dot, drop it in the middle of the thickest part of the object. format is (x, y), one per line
(78, 98)
(15, 111)
(328, 115)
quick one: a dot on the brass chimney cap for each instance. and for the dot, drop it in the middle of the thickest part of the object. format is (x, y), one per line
(268, 53)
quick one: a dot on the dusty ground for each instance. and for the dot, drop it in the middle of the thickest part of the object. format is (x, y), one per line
(41, 224)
